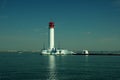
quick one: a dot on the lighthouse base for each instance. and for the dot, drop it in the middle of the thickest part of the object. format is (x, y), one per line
(56, 52)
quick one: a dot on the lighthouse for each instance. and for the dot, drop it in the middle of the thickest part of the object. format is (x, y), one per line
(51, 49)
(51, 36)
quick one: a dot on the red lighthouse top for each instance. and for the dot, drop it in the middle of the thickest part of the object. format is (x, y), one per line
(51, 24)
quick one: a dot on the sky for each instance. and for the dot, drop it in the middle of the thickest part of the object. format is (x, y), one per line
(79, 24)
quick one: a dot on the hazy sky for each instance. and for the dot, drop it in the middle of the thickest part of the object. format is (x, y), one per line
(79, 24)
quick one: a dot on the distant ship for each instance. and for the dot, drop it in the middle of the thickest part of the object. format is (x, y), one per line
(52, 50)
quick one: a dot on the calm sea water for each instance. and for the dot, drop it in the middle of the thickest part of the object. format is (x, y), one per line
(29, 66)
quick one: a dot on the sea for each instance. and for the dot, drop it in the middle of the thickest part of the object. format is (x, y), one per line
(33, 66)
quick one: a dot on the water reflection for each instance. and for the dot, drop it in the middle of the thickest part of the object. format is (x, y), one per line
(86, 61)
(86, 58)
(52, 67)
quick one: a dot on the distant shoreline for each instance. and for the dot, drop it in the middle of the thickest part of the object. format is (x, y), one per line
(99, 54)
(110, 54)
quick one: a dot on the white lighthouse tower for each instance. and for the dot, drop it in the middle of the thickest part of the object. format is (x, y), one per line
(51, 36)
